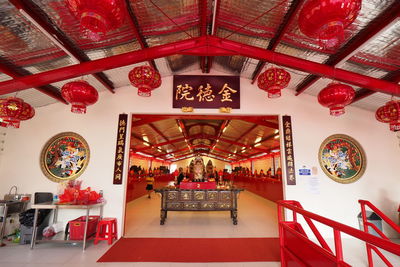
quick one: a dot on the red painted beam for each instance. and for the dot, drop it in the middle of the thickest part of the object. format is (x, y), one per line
(30, 8)
(287, 20)
(386, 18)
(159, 132)
(245, 133)
(363, 93)
(181, 47)
(146, 120)
(306, 66)
(16, 72)
(159, 144)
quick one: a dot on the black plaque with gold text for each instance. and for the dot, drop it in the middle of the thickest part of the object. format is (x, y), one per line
(120, 148)
(289, 150)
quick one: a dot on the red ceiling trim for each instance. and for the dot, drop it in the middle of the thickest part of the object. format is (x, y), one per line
(159, 132)
(262, 122)
(146, 120)
(387, 17)
(180, 47)
(160, 144)
(244, 134)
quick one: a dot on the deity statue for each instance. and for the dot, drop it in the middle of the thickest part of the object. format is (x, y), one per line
(198, 169)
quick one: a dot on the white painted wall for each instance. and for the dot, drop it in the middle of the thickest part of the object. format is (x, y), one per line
(311, 125)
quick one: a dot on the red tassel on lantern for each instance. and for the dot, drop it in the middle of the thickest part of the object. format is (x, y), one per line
(146, 79)
(336, 96)
(80, 94)
(97, 17)
(390, 113)
(273, 80)
(326, 20)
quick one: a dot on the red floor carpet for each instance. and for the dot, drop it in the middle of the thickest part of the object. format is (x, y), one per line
(193, 250)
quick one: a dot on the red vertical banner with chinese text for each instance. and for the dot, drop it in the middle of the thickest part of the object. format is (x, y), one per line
(289, 150)
(120, 148)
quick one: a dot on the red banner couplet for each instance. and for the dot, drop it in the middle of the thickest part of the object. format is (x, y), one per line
(289, 150)
(120, 148)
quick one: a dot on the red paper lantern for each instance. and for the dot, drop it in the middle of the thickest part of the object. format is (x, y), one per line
(146, 79)
(13, 110)
(390, 113)
(97, 17)
(80, 94)
(336, 96)
(326, 20)
(273, 80)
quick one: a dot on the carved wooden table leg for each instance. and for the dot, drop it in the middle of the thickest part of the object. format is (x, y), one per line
(163, 216)
(234, 217)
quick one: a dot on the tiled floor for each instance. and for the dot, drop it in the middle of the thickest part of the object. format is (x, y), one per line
(257, 218)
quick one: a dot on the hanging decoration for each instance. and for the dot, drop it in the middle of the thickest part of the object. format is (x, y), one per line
(80, 94)
(326, 20)
(13, 110)
(336, 96)
(97, 17)
(390, 113)
(146, 79)
(273, 80)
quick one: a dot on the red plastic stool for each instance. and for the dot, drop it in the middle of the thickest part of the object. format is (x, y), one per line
(106, 230)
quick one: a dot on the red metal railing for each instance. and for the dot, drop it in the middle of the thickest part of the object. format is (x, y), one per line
(367, 224)
(298, 250)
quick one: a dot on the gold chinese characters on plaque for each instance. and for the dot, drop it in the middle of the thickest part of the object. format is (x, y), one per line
(120, 148)
(289, 150)
(206, 91)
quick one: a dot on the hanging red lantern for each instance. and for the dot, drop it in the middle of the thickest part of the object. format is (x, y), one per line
(146, 79)
(336, 96)
(13, 110)
(97, 17)
(27, 112)
(326, 20)
(80, 94)
(390, 113)
(273, 80)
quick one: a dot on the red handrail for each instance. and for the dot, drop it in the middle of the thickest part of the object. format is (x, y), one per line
(337, 227)
(366, 226)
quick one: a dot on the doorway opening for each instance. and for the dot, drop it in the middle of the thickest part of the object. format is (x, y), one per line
(243, 151)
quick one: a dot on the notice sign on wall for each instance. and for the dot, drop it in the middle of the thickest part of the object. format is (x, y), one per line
(289, 152)
(120, 148)
(206, 91)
